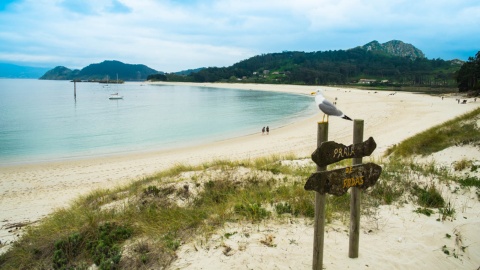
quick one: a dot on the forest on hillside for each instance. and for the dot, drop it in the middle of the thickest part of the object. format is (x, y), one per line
(338, 67)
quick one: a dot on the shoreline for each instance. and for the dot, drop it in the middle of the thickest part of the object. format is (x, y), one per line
(32, 191)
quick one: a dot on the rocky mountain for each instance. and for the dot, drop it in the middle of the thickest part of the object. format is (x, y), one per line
(107, 70)
(394, 48)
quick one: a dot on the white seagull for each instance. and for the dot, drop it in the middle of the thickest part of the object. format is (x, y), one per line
(327, 107)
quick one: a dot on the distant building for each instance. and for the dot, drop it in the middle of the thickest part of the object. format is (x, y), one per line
(366, 81)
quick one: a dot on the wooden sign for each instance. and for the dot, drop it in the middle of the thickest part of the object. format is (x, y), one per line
(337, 182)
(331, 152)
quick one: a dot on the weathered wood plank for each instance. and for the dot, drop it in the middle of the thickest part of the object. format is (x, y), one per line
(331, 152)
(337, 182)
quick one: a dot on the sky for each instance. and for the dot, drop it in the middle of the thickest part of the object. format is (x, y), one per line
(175, 35)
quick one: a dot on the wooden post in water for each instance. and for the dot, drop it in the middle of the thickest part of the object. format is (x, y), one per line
(318, 231)
(74, 89)
(355, 195)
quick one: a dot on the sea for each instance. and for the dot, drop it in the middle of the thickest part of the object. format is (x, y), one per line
(42, 120)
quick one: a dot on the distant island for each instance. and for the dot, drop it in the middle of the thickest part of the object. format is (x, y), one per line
(107, 71)
(12, 71)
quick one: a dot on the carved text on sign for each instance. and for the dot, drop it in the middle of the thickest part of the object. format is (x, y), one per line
(337, 182)
(331, 152)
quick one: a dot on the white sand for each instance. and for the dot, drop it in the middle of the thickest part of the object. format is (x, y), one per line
(29, 192)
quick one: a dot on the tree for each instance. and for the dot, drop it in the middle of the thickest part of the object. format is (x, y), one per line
(469, 74)
(157, 77)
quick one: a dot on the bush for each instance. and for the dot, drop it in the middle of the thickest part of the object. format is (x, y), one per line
(428, 197)
(254, 211)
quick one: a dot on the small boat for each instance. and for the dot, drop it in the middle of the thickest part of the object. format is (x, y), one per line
(115, 96)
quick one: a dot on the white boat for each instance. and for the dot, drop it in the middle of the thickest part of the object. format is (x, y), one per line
(115, 96)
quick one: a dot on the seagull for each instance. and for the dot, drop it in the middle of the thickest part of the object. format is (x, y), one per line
(327, 107)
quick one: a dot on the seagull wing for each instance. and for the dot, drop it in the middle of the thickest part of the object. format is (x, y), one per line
(329, 109)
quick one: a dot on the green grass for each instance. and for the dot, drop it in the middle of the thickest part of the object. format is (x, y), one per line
(429, 196)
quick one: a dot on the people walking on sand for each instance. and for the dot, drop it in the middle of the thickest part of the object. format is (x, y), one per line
(263, 130)
(268, 130)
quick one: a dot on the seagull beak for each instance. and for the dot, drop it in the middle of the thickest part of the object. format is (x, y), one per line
(313, 93)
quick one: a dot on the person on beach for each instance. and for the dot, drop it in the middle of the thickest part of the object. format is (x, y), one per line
(268, 130)
(263, 130)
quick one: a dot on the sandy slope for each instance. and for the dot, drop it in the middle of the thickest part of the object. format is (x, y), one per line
(31, 191)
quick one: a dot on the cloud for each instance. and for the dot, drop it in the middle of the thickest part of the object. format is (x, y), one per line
(172, 35)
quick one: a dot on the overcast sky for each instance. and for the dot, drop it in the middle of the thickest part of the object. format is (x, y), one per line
(174, 35)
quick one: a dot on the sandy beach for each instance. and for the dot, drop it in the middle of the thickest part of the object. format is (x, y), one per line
(29, 192)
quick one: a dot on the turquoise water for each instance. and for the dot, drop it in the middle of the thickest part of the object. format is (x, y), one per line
(41, 120)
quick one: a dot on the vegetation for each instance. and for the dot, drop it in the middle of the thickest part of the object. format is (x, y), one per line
(107, 70)
(157, 77)
(332, 67)
(142, 225)
(373, 65)
(468, 77)
(459, 131)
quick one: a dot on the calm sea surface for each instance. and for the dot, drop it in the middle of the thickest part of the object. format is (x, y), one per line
(41, 120)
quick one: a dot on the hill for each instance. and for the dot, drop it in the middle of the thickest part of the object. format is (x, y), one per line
(107, 70)
(393, 62)
(394, 48)
(20, 72)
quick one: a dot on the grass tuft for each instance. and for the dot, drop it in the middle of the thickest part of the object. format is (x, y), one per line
(429, 196)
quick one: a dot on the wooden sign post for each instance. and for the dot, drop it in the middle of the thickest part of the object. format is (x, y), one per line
(319, 229)
(337, 182)
(355, 196)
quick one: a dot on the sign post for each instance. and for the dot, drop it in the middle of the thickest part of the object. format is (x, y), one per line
(319, 229)
(337, 182)
(355, 196)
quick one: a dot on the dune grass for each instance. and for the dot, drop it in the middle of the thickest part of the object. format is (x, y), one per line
(140, 226)
(461, 130)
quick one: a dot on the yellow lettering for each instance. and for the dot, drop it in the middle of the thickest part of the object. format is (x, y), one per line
(354, 181)
(343, 152)
(348, 169)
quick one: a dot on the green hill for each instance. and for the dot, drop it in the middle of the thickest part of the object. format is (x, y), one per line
(393, 62)
(107, 70)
